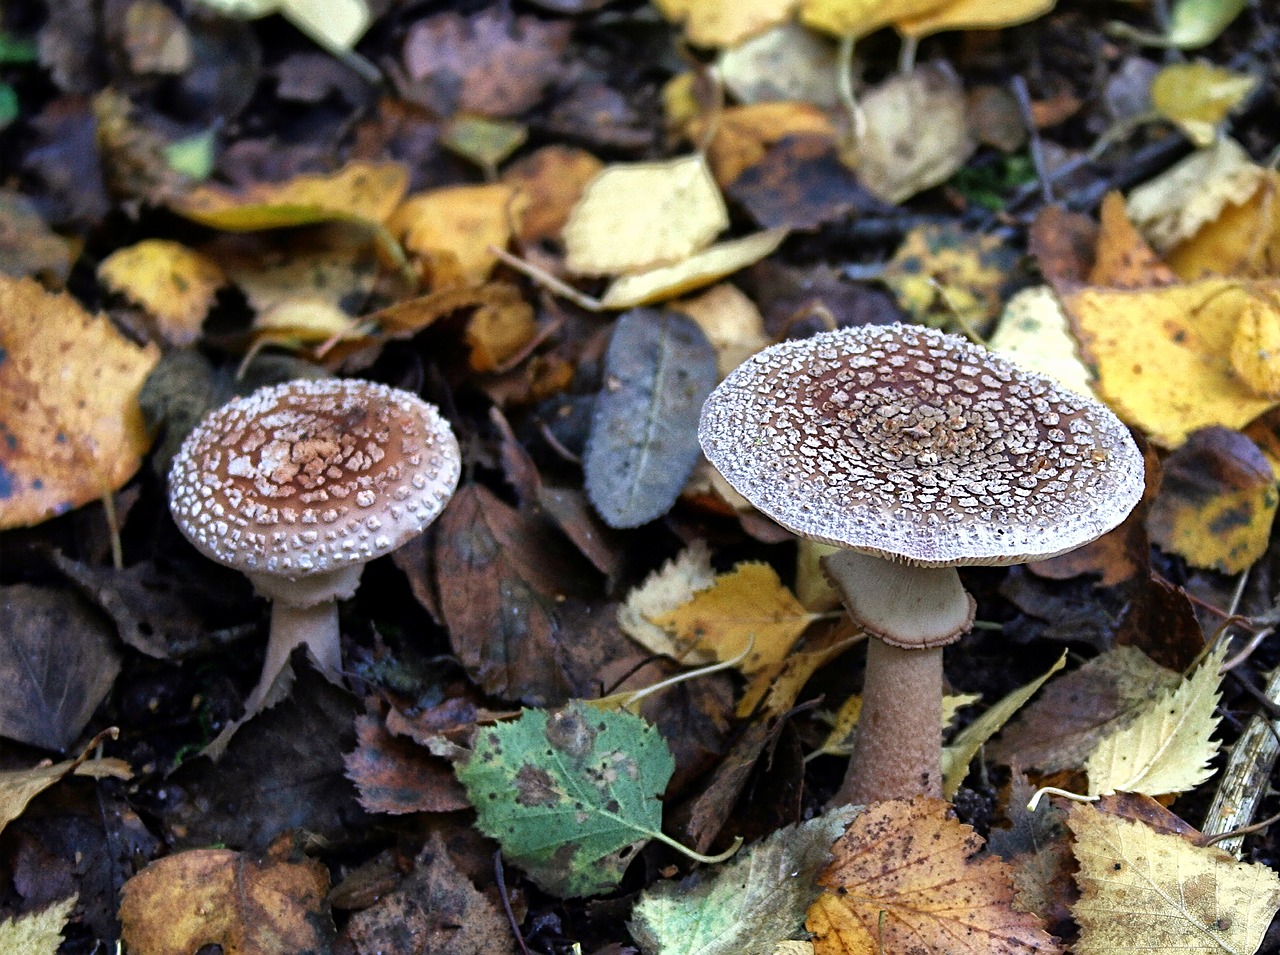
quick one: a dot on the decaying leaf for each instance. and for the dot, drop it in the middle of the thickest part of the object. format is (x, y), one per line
(1167, 748)
(672, 584)
(743, 134)
(70, 427)
(453, 229)
(957, 756)
(19, 786)
(175, 285)
(37, 933)
(1033, 333)
(571, 795)
(747, 906)
(916, 133)
(397, 776)
(1154, 892)
(643, 441)
(749, 606)
(553, 178)
(1217, 501)
(215, 896)
(906, 879)
(609, 232)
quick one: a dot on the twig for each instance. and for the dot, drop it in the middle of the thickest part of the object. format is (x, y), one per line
(506, 902)
(1033, 139)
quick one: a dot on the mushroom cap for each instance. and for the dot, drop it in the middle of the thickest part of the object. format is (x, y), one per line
(921, 447)
(309, 477)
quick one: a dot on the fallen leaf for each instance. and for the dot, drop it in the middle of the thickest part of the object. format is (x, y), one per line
(486, 142)
(1038, 849)
(69, 418)
(1034, 333)
(28, 246)
(957, 756)
(672, 584)
(731, 322)
(747, 906)
(643, 440)
(337, 25)
(844, 724)
(359, 192)
(1192, 193)
(570, 796)
(215, 896)
(37, 933)
(1198, 97)
(1196, 23)
(787, 62)
(1061, 727)
(743, 134)
(702, 268)
(609, 232)
(176, 285)
(1167, 748)
(1123, 258)
(1159, 893)
(1243, 240)
(19, 786)
(396, 776)
(553, 179)
(905, 879)
(725, 22)
(453, 229)
(1255, 346)
(857, 18)
(802, 183)
(972, 15)
(1163, 355)
(916, 133)
(748, 606)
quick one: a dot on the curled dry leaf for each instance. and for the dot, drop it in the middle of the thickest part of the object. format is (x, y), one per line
(70, 426)
(906, 878)
(174, 284)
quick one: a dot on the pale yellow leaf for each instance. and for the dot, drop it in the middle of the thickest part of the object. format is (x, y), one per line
(1168, 747)
(336, 25)
(786, 63)
(698, 270)
(973, 15)
(1033, 333)
(812, 587)
(731, 322)
(672, 584)
(1179, 202)
(725, 22)
(1144, 891)
(637, 216)
(844, 725)
(748, 606)
(957, 757)
(1197, 97)
(37, 933)
(174, 284)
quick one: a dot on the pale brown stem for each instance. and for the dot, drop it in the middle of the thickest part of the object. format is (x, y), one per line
(291, 627)
(898, 750)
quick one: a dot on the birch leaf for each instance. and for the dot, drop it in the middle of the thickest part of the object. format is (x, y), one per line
(1167, 748)
(672, 584)
(37, 933)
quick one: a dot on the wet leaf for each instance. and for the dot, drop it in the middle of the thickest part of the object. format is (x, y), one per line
(801, 184)
(643, 442)
(609, 232)
(906, 878)
(57, 663)
(175, 285)
(570, 796)
(1159, 893)
(747, 906)
(742, 136)
(215, 896)
(37, 933)
(1167, 748)
(70, 427)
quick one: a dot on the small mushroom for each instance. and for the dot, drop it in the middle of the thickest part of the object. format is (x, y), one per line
(299, 485)
(916, 452)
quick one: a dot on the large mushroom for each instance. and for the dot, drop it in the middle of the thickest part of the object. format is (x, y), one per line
(915, 452)
(299, 485)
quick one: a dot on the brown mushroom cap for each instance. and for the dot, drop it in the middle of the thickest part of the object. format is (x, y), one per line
(310, 477)
(916, 446)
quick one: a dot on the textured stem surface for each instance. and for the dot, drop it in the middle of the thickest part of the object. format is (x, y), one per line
(898, 750)
(291, 627)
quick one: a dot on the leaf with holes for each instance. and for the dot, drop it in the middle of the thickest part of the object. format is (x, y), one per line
(570, 796)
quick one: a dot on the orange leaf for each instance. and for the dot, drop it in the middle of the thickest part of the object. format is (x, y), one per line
(905, 880)
(1124, 258)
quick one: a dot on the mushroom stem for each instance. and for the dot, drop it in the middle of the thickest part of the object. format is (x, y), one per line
(898, 750)
(291, 627)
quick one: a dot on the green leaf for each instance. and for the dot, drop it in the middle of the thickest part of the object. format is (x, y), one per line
(747, 906)
(570, 796)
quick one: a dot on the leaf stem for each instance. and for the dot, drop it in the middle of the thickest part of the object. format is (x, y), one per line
(696, 856)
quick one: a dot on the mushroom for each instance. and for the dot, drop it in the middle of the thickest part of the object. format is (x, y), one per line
(299, 485)
(915, 452)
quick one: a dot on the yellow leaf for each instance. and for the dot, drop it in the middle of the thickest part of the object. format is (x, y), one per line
(906, 879)
(731, 322)
(973, 15)
(453, 228)
(786, 64)
(957, 757)
(670, 586)
(1243, 240)
(360, 191)
(743, 134)
(748, 605)
(1216, 503)
(1163, 355)
(1167, 748)
(1154, 892)
(857, 18)
(175, 285)
(1033, 334)
(337, 25)
(19, 786)
(497, 334)
(1255, 347)
(724, 22)
(636, 216)
(1197, 97)
(774, 689)
(1123, 258)
(839, 741)
(812, 587)
(70, 426)
(37, 933)
(698, 270)
(916, 133)
(1182, 200)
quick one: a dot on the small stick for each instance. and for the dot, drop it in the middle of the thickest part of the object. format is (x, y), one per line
(1033, 139)
(506, 903)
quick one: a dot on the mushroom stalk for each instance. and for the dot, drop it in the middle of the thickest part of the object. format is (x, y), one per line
(291, 627)
(897, 753)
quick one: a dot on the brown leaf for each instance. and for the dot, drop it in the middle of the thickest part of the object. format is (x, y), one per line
(801, 184)
(1039, 854)
(1124, 259)
(1161, 621)
(553, 178)
(905, 880)
(1062, 243)
(396, 776)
